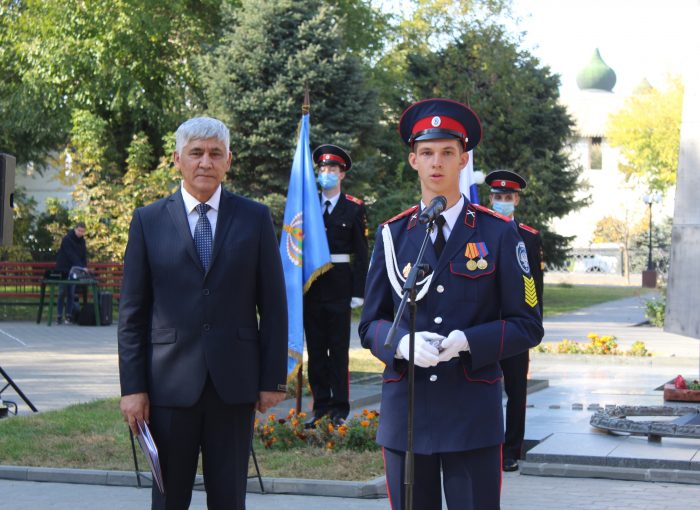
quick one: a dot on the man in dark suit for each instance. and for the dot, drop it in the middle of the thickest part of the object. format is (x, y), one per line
(474, 308)
(202, 323)
(328, 302)
(72, 253)
(504, 198)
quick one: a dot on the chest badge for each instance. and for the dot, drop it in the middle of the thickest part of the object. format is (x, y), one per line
(406, 270)
(474, 250)
(471, 252)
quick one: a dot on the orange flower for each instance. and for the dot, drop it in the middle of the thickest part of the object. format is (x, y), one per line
(365, 412)
(295, 422)
(302, 414)
(364, 423)
(330, 427)
(330, 445)
(292, 411)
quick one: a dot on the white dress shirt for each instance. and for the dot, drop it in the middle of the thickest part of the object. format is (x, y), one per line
(193, 215)
(333, 200)
(450, 215)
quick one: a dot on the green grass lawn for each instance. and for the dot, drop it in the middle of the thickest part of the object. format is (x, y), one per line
(94, 436)
(562, 298)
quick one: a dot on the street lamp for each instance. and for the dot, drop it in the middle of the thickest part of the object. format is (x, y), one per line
(649, 276)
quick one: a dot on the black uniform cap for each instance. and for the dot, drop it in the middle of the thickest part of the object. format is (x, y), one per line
(438, 118)
(328, 154)
(505, 181)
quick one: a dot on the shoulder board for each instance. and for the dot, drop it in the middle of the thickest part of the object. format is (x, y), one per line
(402, 214)
(354, 199)
(490, 212)
(529, 228)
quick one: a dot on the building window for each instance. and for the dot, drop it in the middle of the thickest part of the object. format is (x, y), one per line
(595, 153)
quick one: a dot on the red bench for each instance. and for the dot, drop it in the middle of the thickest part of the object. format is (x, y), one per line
(23, 279)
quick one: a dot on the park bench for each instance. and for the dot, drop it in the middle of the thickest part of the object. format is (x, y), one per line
(21, 282)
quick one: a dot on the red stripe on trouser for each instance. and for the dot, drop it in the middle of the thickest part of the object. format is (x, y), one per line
(386, 480)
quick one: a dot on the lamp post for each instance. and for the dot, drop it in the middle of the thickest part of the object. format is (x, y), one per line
(649, 276)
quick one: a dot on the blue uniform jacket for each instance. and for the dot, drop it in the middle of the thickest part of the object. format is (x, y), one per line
(458, 402)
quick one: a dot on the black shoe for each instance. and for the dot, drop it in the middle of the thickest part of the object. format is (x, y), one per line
(510, 465)
(337, 420)
(311, 424)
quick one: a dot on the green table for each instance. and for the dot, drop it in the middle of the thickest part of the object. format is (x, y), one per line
(90, 284)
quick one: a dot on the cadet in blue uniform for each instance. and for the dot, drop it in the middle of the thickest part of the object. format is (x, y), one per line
(329, 299)
(504, 198)
(478, 301)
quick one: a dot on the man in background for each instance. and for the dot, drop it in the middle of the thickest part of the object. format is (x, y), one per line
(504, 198)
(72, 253)
(328, 302)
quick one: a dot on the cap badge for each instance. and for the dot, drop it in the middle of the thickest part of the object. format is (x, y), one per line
(503, 183)
(436, 121)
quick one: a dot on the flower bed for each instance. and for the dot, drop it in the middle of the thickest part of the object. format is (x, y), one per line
(358, 433)
(600, 345)
(681, 390)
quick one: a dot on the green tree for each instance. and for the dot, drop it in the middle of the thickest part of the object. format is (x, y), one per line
(525, 127)
(255, 83)
(614, 230)
(647, 131)
(128, 62)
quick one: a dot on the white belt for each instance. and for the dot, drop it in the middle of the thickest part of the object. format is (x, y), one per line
(338, 258)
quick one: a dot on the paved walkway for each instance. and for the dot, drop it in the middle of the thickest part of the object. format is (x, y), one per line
(59, 365)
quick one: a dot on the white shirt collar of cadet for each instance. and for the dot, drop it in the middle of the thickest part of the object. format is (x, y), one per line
(450, 215)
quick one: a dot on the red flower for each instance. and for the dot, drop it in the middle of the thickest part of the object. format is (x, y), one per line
(679, 383)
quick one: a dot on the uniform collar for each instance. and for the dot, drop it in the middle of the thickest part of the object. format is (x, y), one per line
(450, 215)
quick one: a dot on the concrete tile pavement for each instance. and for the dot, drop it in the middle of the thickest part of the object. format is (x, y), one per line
(519, 493)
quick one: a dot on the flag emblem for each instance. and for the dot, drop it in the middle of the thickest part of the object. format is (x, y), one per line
(295, 238)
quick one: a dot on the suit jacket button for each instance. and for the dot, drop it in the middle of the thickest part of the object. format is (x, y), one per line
(206, 327)
(433, 378)
(205, 292)
(440, 289)
(437, 320)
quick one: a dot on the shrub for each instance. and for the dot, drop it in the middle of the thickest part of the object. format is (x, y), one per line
(655, 311)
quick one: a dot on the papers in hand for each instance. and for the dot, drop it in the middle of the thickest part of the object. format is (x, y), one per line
(149, 449)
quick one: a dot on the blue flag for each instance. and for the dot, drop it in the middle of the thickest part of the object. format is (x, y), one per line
(467, 181)
(303, 246)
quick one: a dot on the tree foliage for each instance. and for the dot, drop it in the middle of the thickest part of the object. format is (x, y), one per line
(124, 61)
(525, 127)
(647, 131)
(255, 83)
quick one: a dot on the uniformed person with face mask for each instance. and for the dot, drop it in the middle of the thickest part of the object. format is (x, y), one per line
(328, 302)
(475, 307)
(504, 198)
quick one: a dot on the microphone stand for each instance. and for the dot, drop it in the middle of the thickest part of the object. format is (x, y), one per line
(418, 272)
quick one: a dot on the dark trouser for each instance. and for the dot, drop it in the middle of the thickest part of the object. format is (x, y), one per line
(222, 431)
(67, 293)
(327, 326)
(471, 479)
(515, 383)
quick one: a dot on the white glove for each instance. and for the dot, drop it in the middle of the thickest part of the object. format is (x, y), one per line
(356, 302)
(455, 343)
(424, 354)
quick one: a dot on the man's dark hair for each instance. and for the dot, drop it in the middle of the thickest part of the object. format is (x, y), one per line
(80, 224)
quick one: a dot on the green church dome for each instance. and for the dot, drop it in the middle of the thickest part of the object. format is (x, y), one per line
(597, 75)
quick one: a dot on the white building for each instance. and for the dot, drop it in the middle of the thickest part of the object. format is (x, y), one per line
(610, 194)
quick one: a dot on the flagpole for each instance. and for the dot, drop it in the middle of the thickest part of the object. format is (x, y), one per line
(305, 109)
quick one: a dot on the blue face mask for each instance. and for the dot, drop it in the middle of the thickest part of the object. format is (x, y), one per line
(327, 180)
(504, 208)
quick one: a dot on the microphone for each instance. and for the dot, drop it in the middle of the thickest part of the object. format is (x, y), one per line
(437, 205)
